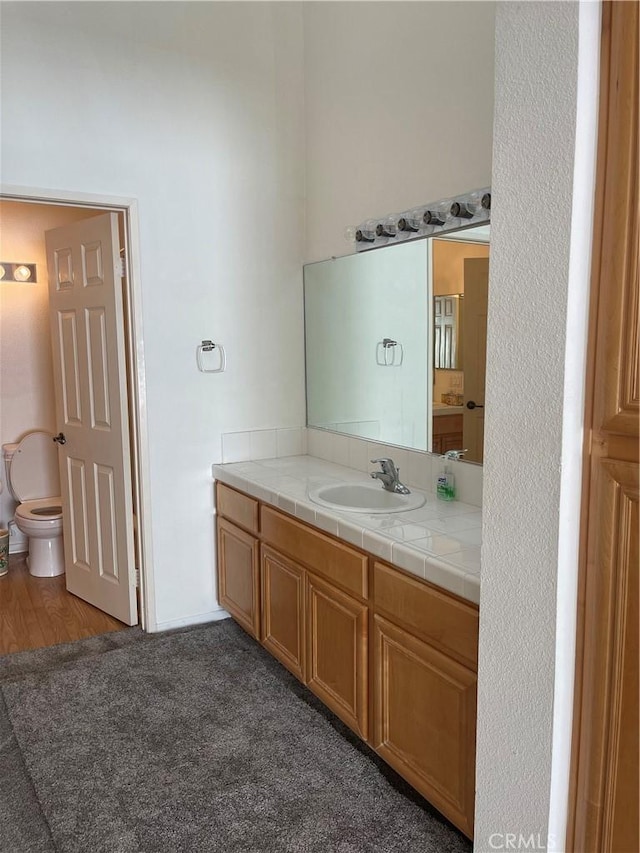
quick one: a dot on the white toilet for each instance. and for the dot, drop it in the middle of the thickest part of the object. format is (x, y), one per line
(33, 479)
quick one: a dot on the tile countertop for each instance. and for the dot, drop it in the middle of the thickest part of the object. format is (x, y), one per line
(439, 542)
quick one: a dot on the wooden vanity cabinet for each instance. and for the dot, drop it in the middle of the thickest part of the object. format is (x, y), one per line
(425, 687)
(365, 637)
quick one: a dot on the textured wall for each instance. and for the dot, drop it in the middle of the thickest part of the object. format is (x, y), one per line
(533, 161)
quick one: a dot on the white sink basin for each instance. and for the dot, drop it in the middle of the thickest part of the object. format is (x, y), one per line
(363, 497)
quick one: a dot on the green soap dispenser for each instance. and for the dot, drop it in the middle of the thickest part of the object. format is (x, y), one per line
(446, 484)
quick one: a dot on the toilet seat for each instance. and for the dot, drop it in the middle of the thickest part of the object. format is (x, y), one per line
(43, 510)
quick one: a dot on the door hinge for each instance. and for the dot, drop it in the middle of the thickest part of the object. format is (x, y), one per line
(119, 267)
(137, 578)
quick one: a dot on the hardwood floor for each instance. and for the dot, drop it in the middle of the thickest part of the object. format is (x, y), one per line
(37, 612)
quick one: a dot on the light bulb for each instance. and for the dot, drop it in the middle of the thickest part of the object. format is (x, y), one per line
(410, 222)
(471, 205)
(366, 232)
(433, 216)
(22, 273)
(388, 227)
(461, 210)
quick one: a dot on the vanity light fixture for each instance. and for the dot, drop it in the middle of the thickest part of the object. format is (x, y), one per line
(433, 218)
(18, 272)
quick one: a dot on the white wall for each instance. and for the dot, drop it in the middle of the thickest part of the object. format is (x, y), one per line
(534, 159)
(26, 373)
(399, 109)
(195, 109)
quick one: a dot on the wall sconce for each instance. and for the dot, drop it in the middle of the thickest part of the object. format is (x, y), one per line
(473, 208)
(21, 273)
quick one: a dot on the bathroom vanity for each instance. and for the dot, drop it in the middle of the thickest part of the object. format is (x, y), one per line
(391, 654)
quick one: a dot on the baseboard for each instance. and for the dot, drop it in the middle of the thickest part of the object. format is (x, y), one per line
(211, 616)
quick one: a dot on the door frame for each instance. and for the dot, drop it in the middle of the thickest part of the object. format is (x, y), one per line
(136, 372)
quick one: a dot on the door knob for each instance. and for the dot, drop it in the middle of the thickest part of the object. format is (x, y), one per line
(60, 438)
(472, 405)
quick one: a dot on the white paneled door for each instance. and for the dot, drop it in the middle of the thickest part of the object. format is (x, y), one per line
(89, 365)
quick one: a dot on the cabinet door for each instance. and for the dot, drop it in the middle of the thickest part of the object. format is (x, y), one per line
(424, 720)
(238, 575)
(451, 441)
(283, 615)
(337, 652)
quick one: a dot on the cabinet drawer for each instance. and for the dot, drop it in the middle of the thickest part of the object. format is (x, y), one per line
(446, 622)
(237, 507)
(342, 565)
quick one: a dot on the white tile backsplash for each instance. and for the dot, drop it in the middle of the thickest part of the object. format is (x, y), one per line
(358, 454)
(263, 444)
(289, 442)
(468, 481)
(236, 446)
(340, 449)
(419, 471)
(318, 442)
(248, 445)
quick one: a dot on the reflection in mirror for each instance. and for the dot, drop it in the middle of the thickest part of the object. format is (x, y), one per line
(366, 340)
(460, 274)
(395, 343)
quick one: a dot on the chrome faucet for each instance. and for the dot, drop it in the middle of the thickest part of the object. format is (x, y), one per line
(389, 476)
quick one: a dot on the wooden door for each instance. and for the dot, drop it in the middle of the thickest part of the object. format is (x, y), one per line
(239, 575)
(89, 373)
(474, 343)
(337, 652)
(605, 795)
(425, 720)
(283, 611)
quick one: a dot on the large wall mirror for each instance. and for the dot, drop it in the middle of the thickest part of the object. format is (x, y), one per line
(396, 342)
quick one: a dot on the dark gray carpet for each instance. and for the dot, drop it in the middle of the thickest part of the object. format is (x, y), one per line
(191, 741)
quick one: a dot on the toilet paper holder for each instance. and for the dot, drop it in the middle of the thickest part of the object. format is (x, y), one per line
(210, 346)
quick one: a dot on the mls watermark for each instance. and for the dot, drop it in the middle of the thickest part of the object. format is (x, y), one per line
(521, 841)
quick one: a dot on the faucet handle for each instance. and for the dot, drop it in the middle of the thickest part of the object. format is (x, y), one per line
(454, 454)
(387, 465)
